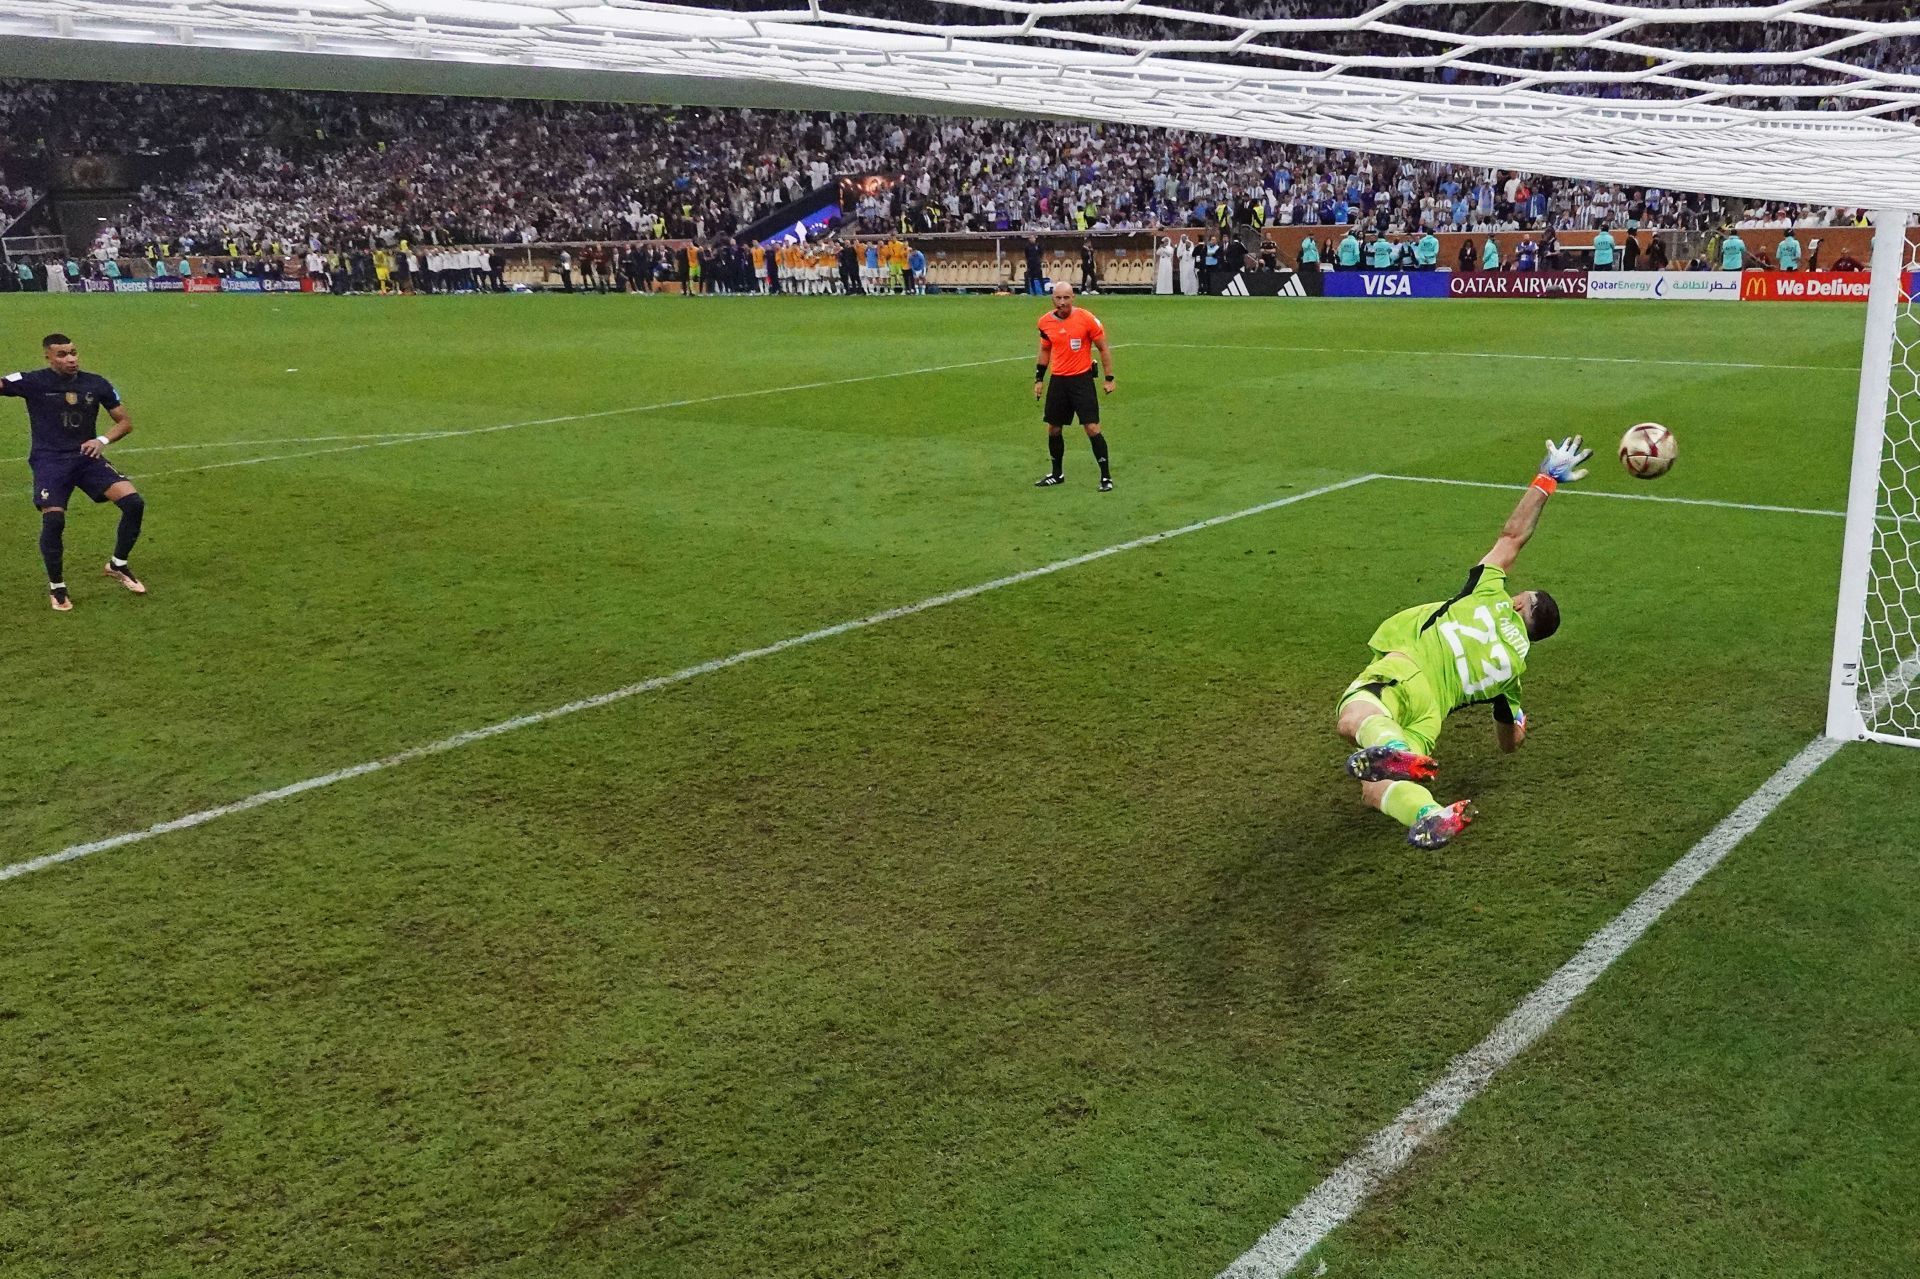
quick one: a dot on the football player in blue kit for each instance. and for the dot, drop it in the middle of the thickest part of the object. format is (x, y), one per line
(63, 412)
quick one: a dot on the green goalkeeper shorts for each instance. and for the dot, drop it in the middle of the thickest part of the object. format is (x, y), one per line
(1398, 684)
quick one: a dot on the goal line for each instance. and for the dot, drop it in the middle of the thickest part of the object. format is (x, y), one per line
(1346, 1188)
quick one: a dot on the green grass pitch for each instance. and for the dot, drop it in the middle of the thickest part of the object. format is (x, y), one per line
(1035, 934)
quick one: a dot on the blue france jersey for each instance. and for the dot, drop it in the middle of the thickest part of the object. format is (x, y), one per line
(62, 411)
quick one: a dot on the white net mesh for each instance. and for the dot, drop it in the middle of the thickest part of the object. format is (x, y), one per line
(1805, 100)
(1889, 688)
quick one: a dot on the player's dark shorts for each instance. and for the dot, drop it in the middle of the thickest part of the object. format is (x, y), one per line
(1072, 396)
(55, 478)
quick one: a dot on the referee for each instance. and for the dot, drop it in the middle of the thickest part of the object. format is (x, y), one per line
(1068, 336)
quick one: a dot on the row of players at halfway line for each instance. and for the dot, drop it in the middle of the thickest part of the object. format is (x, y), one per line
(843, 267)
(1727, 251)
(848, 266)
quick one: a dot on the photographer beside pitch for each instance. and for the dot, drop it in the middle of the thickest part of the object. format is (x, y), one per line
(63, 408)
(1433, 659)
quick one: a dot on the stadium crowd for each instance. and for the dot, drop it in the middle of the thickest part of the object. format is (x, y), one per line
(330, 171)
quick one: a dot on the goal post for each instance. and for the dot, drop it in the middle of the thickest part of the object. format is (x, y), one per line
(1873, 691)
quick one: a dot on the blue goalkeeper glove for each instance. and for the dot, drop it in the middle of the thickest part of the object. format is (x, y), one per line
(1564, 464)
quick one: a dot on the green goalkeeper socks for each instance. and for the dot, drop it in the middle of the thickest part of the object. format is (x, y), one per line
(1405, 801)
(1380, 730)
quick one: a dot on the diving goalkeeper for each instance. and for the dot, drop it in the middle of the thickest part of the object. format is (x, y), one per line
(1432, 659)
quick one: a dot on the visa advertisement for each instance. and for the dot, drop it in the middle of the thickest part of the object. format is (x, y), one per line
(1387, 284)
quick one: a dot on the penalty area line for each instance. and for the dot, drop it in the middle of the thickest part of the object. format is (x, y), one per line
(262, 443)
(1388, 1150)
(1623, 497)
(442, 746)
(420, 437)
(1505, 355)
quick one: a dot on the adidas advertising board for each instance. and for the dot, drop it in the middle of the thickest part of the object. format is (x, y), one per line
(1271, 284)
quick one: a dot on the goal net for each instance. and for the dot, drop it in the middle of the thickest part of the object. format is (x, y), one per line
(1804, 100)
(1811, 104)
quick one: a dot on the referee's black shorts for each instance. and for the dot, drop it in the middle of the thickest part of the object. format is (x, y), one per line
(1071, 396)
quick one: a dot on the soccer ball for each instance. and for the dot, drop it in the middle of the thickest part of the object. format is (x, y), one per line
(1648, 450)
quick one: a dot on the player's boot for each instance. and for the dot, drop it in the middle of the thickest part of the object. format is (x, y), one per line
(1391, 764)
(123, 574)
(1106, 484)
(1438, 826)
(57, 596)
(1048, 481)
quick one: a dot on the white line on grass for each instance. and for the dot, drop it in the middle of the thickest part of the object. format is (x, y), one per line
(458, 740)
(387, 439)
(584, 417)
(1624, 497)
(234, 444)
(1349, 1185)
(1505, 355)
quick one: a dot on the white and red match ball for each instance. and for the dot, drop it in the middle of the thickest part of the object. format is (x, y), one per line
(1648, 450)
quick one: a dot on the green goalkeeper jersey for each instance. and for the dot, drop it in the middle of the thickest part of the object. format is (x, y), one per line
(1470, 649)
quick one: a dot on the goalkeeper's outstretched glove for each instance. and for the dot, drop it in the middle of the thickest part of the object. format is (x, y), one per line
(1566, 461)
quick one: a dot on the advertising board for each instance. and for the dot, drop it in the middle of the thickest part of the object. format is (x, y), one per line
(1664, 286)
(1804, 286)
(1518, 284)
(1386, 284)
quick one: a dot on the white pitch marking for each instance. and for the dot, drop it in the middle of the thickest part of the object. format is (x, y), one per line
(1625, 497)
(583, 417)
(1387, 1151)
(234, 444)
(1505, 355)
(458, 740)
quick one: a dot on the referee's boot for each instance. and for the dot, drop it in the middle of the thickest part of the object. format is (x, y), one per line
(1049, 481)
(1106, 484)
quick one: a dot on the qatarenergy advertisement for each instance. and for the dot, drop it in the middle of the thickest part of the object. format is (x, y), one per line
(1664, 286)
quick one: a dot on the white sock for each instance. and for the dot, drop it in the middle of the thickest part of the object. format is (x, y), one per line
(116, 561)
